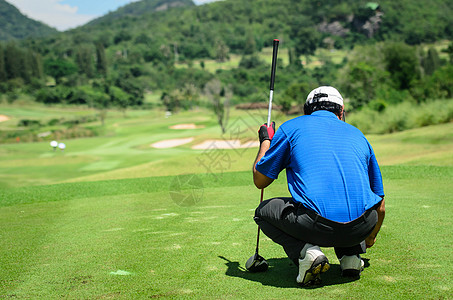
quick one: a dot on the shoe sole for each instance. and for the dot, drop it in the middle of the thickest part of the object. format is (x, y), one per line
(351, 273)
(320, 265)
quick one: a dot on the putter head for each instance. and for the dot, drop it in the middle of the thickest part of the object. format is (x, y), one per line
(256, 263)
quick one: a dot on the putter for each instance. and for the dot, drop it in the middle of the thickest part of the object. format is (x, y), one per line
(257, 263)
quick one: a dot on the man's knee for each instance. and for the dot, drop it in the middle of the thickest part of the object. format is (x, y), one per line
(272, 209)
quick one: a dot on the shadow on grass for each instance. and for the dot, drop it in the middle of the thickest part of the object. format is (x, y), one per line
(282, 273)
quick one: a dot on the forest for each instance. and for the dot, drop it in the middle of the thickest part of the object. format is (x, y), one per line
(391, 52)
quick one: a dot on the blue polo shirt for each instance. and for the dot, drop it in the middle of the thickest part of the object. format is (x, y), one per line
(330, 165)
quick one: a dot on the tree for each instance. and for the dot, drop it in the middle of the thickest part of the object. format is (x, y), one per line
(190, 95)
(130, 85)
(293, 59)
(251, 61)
(119, 98)
(305, 38)
(440, 84)
(3, 74)
(402, 64)
(250, 44)
(13, 57)
(172, 100)
(100, 101)
(220, 99)
(363, 75)
(167, 55)
(84, 60)
(101, 60)
(36, 66)
(286, 103)
(297, 92)
(222, 51)
(307, 41)
(449, 51)
(431, 62)
(59, 68)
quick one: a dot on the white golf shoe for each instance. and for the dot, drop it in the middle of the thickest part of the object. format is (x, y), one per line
(312, 263)
(351, 266)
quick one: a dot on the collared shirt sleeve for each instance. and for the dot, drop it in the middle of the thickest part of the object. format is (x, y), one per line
(374, 173)
(277, 157)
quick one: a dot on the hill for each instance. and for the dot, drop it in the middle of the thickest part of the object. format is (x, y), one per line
(147, 48)
(14, 25)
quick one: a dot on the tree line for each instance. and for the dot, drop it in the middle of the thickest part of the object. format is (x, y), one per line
(113, 63)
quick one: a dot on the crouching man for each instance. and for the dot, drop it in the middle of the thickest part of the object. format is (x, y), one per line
(335, 183)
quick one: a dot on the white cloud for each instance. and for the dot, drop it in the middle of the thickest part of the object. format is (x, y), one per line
(51, 12)
(66, 16)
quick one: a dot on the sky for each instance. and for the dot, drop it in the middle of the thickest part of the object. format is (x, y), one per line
(67, 14)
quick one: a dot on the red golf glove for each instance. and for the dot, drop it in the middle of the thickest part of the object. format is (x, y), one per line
(266, 133)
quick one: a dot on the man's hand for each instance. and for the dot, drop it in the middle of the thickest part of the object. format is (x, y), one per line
(266, 133)
(369, 241)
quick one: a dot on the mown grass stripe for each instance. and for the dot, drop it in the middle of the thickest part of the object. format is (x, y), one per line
(68, 191)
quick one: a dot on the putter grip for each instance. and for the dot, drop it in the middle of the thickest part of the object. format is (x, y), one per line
(274, 63)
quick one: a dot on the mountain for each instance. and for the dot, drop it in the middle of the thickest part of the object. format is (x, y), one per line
(14, 25)
(200, 30)
(139, 8)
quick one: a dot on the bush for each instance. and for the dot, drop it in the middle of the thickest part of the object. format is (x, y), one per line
(11, 97)
(250, 62)
(393, 96)
(402, 116)
(50, 96)
(378, 105)
(53, 122)
(28, 123)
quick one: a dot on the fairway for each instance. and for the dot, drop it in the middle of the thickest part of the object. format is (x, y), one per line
(113, 217)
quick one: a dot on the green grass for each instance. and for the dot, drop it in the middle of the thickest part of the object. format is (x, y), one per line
(67, 239)
(103, 219)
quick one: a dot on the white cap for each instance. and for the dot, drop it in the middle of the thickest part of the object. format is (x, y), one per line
(325, 93)
(54, 144)
(62, 146)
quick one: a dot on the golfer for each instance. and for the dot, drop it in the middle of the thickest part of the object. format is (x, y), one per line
(335, 183)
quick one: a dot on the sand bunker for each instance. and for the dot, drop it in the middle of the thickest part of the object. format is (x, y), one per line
(208, 144)
(171, 143)
(225, 144)
(3, 118)
(186, 126)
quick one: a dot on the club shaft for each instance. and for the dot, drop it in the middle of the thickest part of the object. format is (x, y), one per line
(258, 235)
(271, 95)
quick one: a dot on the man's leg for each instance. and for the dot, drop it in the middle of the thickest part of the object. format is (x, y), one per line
(269, 216)
(348, 251)
(279, 220)
(351, 263)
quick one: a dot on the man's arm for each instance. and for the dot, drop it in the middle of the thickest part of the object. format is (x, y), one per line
(369, 241)
(261, 181)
